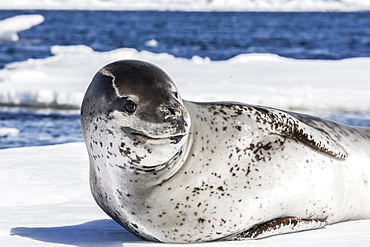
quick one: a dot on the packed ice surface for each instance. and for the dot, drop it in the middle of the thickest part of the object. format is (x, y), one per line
(45, 200)
(190, 5)
(10, 27)
(264, 79)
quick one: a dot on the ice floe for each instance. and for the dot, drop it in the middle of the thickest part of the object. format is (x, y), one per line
(10, 27)
(61, 80)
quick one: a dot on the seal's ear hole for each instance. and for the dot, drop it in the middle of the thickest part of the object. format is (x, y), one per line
(130, 106)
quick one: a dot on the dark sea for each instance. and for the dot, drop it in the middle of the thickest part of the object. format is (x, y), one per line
(217, 35)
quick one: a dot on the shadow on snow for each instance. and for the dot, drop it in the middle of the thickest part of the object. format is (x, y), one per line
(103, 232)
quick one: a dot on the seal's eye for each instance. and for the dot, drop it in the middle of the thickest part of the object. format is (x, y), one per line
(130, 106)
(176, 95)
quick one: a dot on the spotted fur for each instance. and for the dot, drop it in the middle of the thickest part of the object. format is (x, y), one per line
(217, 171)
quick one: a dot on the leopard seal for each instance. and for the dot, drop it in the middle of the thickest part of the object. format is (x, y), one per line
(175, 171)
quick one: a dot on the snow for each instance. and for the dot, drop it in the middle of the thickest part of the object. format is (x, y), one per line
(191, 5)
(316, 85)
(10, 27)
(151, 43)
(5, 132)
(45, 201)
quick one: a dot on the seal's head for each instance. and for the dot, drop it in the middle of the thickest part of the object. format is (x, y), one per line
(135, 110)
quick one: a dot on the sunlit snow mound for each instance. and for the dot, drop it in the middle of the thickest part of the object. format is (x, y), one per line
(60, 81)
(10, 27)
(203, 5)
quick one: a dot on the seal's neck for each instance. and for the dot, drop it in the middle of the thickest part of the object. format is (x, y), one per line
(168, 169)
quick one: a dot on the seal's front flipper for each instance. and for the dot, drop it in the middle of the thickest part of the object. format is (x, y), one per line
(284, 124)
(278, 226)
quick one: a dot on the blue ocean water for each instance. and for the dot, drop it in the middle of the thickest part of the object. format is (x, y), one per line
(217, 35)
(38, 127)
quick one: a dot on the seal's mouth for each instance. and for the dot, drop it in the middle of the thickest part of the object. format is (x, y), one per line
(143, 137)
(140, 136)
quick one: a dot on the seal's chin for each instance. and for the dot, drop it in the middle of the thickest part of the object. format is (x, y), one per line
(142, 137)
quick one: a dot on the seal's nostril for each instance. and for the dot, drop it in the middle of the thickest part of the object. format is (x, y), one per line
(171, 110)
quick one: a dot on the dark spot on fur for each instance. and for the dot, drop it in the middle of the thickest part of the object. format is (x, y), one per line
(201, 220)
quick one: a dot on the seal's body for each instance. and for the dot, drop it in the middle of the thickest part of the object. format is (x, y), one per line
(171, 170)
